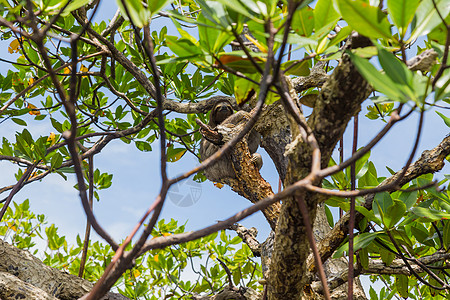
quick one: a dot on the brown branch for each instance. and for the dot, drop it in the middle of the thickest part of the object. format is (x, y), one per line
(248, 236)
(17, 188)
(88, 225)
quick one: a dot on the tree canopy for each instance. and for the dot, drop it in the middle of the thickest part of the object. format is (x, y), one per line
(302, 70)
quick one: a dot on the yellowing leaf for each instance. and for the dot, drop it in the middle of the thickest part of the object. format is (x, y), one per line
(12, 226)
(67, 70)
(226, 58)
(261, 47)
(156, 258)
(33, 110)
(14, 46)
(136, 273)
(51, 138)
(176, 154)
(30, 81)
(83, 69)
(239, 62)
(244, 89)
(166, 233)
(218, 185)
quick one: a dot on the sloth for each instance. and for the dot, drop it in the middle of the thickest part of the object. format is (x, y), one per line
(222, 114)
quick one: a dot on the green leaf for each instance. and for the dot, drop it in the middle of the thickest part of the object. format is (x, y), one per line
(26, 135)
(134, 10)
(381, 82)
(427, 17)
(19, 121)
(56, 125)
(446, 235)
(215, 12)
(182, 46)
(402, 13)
(369, 214)
(373, 294)
(300, 69)
(395, 69)
(143, 146)
(401, 282)
(394, 213)
(303, 21)
(439, 33)
(361, 241)
(381, 201)
(175, 154)
(430, 214)
(75, 4)
(325, 15)
(329, 216)
(386, 256)
(212, 38)
(368, 20)
(363, 255)
(340, 36)
(446, 119)
(156, 5)
(409, 198)
(56, 161)
(238, 7)
(361, 165)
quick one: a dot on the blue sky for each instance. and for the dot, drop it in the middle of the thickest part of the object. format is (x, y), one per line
(136, 179)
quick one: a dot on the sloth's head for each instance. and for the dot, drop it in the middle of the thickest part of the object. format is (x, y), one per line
(220, 112)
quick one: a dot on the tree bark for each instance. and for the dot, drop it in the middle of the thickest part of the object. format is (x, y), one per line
(23, 274)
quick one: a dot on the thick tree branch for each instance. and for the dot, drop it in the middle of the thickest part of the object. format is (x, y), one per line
(339, 100)
(27, 268)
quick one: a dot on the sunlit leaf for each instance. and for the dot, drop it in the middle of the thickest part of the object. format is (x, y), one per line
(51, 138)
(368, 20)
(134, 10)
(325, 15)
(75, 4)
(427, 17)
(430, 214)
(446, 119)
(402, 13)
(155, 6)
